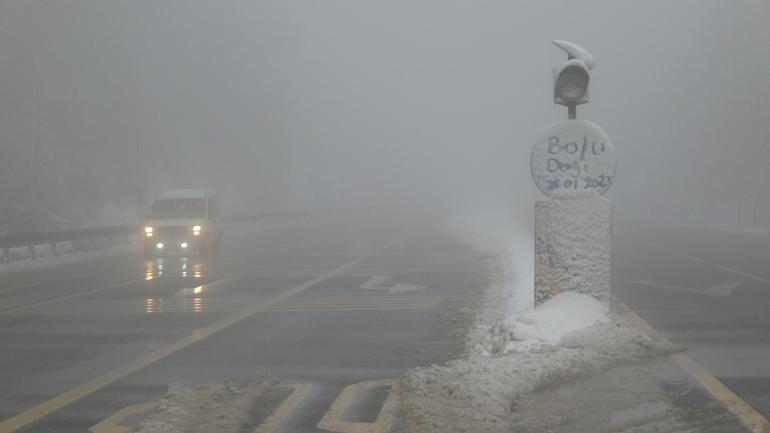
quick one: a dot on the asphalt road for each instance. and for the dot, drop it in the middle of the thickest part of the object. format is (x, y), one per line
(333, 309)
(707, 290)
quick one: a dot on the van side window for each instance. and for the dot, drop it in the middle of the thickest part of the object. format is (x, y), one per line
(213, 207)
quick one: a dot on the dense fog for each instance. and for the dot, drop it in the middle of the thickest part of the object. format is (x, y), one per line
(326, 104)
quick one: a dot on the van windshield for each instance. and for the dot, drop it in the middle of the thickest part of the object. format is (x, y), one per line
(178, 208)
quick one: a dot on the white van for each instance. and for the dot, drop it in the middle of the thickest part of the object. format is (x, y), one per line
(183, 221)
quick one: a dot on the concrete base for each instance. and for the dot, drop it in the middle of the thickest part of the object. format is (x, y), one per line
(573, 248)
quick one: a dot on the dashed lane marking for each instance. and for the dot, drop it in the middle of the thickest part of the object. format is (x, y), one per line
(748, 416)
(68, 397)
(721, 289)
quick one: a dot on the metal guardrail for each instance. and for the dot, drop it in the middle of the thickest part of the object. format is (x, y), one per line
(87, 239)
(79, 239)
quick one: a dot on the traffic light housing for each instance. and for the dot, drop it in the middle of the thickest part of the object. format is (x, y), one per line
(570, 83)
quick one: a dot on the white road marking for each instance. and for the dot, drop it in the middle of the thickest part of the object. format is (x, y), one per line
(745, 274)
(701, 260)
(719, 290)
(690, 256)
(376, 282)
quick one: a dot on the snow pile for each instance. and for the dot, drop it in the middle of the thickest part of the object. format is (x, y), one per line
(513, 349)
(559, 316)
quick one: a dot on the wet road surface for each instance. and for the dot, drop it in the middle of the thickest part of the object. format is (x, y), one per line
(331, 309)
(706, 290)
(335, 310)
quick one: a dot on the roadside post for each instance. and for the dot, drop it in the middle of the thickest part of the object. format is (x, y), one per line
(573, 164)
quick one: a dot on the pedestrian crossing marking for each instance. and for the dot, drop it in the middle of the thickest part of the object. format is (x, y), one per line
(112, 424)
(333, 419)
(271, 423)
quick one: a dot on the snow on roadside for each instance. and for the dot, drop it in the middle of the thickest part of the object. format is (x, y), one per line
(223, 408)
(505, 249)
(478, 393)
(513, 349)
(49, 260)
(507, 321)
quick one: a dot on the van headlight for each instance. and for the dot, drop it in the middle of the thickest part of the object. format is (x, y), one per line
(197, 230)
(148, 231)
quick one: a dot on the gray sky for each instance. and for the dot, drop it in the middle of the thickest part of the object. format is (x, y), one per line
(338, 103)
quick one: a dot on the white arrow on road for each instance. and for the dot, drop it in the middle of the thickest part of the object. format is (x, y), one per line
(377, 282)
(721, 289)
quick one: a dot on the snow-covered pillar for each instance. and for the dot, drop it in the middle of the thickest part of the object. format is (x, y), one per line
(573, 163)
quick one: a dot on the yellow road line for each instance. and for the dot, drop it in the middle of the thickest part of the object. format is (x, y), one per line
(112, 424)
(332, 420)
(43, 409)
(74, 295)
(299, 393)
(748, 416)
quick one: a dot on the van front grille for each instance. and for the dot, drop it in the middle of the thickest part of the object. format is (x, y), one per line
(172, 232)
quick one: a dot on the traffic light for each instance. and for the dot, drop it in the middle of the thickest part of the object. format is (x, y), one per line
(570, 82)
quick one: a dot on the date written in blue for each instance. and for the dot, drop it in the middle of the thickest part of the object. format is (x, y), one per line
(588, 182)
